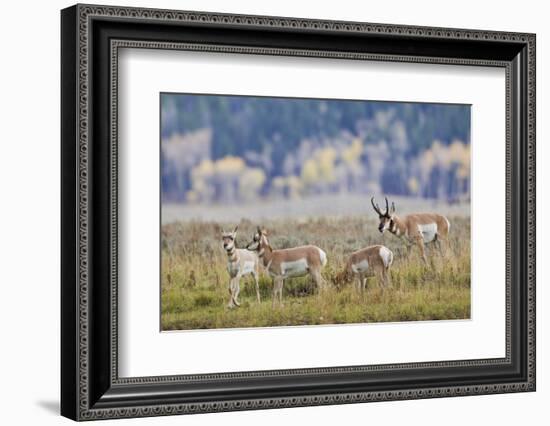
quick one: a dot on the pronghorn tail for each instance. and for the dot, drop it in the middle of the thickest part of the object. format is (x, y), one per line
(387, 256)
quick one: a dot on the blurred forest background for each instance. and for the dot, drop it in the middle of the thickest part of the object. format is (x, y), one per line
(238, 149)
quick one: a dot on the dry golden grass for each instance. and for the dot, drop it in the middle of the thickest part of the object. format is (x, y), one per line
(195, 282)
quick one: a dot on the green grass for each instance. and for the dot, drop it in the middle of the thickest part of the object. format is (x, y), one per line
(195, 293)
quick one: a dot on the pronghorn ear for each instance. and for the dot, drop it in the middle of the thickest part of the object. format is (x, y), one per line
(235, 230)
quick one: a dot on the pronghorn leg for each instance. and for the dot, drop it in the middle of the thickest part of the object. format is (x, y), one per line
(362, 281)
(274, 293)
(316, 275)
(257, 282)
(232, 303)
(277, 290)
(386, 277)
(439, 245)
(380, 278)
(420, 244)
(409, 249)
(237, 290)
(444, 245)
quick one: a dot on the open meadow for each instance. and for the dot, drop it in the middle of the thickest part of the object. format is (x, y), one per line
(194, 284)
(305, 170)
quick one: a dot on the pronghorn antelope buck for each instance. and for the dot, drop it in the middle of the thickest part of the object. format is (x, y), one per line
(416, 228)
(373, 260)
(239, 262)
(288, 263)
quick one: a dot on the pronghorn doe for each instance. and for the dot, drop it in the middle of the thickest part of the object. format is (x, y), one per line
(416, 228)
(288, 263)
(239, 262)
(373, 260)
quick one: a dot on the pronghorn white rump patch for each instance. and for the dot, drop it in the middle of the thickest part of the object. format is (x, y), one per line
(387, 256)
(428, 231)
(323, 257)
(362, 266)
(294, 268)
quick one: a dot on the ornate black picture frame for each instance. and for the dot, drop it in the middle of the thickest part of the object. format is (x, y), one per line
(90, 38)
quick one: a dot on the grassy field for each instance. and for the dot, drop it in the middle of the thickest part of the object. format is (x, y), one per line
(194, 291)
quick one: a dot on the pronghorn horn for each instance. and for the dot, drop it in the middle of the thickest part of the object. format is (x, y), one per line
(392, 207)
(375, 206)
(387, 207)
(236, 227)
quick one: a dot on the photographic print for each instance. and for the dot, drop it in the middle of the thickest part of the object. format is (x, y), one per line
(298, 212)
(265, 183)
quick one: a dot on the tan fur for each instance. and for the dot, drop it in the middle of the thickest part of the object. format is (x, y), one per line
(377, 266)
(240, 262)
(409, 227)
(275, 261)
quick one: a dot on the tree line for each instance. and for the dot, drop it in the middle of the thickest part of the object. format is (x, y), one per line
(228, 148)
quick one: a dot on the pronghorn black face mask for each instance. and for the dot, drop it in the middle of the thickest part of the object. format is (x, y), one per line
(386, 218)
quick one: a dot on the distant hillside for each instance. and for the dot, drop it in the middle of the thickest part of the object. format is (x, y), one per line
(237, 148)
(245, 123)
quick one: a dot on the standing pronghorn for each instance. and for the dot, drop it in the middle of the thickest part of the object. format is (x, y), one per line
(288, 263)
(416, 228)
(239, 262)
(370, 260)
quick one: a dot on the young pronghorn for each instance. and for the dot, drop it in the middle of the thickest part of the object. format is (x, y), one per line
(416, 228)
(368, 261)
(239, 262)
(288, 263)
